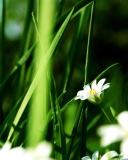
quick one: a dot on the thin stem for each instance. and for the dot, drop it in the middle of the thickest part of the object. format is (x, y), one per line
(88, 43)
(105, 114)
(87, 75)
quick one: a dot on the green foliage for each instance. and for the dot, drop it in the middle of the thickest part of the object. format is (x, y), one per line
(69, 143)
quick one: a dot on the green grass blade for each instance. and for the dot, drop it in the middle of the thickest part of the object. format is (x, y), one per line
(8, 118)
(93, 122)
(88, 44)
(2, 53)
(78, 7)
(74, 130)
(38, 75)
(26, 27)
(58, 129)
(102, 74)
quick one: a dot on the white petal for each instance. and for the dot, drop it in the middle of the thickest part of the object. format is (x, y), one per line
(94, 86)
(17, 153)
(44, 149)
(6, 146)
(100, 84)
(87, 88)
(124, 146)
(86, 158)
(95, 155)
(123, 120)
(110, 134)
(107, 85)
(109, 155)
(81, 95)
(123, 156)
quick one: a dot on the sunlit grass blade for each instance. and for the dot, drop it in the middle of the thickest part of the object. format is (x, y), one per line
(49, 116)
(45, 60)
(37, 31)
(114, 114)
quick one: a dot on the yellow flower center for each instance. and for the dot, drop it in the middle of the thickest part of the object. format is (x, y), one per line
(92, 92)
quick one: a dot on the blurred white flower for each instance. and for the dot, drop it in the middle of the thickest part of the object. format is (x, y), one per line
(93, 93)
(41, 152)
(94, 156)
(117, 132)
(106, 156)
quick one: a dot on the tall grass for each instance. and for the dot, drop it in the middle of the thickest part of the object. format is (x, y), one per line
(40, 104)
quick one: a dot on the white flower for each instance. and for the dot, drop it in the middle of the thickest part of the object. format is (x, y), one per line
(94, 156)
(117, 132)
(93, 93)
(106, 156)
(41, 152)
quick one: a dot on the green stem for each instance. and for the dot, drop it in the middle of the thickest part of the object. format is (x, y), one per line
(2, 55)
(87, 78)
(105, 114)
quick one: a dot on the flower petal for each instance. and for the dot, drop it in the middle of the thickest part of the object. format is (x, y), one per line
(123, 120)
(86, 158)
(109, 155)
(107, 85)
(94, 86)
(110, 134)
(87, 88)
(123, 156)
(124, 146)
(95, 155)
(100, 84)
(81, 95)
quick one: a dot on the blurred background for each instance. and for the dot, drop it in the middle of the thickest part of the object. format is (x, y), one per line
(109, 45)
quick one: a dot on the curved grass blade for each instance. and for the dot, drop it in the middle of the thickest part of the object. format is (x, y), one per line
(102, 74)
(38, 75)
